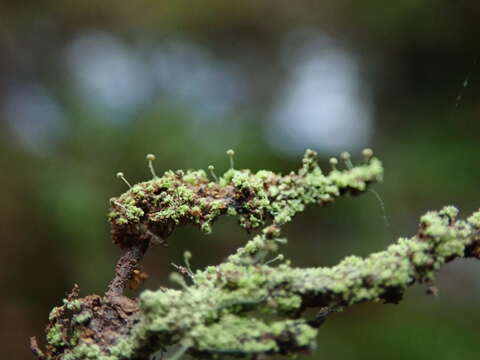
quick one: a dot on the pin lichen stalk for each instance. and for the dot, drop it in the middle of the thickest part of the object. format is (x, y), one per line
(219, 311)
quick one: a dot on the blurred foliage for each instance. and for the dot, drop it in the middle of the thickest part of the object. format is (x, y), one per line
(413, 56)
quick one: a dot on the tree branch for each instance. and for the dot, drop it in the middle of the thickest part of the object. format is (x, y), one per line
(219, 313)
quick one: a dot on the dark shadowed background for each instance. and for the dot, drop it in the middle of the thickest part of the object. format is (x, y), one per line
(87, 88)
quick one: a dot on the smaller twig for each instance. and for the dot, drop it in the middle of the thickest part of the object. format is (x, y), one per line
(125, 268)
(320, 318)
(35, 349)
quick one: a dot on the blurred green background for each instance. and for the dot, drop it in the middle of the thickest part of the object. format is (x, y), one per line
(87, 88)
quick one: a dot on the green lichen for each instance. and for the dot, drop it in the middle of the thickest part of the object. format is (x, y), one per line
(474, 220)
(54, 313)
(72, 305)
(241, 336)
(87, 351)
(245, 306)
(224, 296)
(83, 317)
(179, 198)
(55, 336)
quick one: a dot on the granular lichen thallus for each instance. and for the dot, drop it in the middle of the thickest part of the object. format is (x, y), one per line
(217, 313)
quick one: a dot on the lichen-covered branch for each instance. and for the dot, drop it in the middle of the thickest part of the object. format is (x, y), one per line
(151, 210)
(246, 306)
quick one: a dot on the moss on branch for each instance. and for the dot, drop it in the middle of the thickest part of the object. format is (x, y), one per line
(245, 306)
